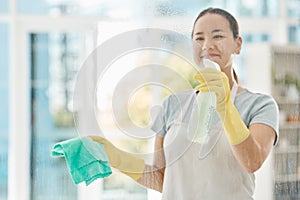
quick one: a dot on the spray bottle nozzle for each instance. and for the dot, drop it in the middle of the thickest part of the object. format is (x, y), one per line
(210, 64)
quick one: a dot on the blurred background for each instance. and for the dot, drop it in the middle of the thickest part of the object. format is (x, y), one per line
(43, 44)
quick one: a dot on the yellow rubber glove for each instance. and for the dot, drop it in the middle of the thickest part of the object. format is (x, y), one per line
(212, 80)
(123, 161)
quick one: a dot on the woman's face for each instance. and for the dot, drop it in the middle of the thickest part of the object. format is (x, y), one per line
(213, 39)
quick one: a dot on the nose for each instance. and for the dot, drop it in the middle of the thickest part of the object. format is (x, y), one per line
(207, 44)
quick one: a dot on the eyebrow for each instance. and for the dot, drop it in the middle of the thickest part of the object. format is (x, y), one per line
(213, 31)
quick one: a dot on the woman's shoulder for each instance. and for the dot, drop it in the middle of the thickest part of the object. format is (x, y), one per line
(258, 98)
(245, 93)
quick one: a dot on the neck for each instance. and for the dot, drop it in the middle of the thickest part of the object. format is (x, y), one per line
(229, 73)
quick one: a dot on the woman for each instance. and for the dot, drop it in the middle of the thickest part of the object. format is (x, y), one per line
(248, 127)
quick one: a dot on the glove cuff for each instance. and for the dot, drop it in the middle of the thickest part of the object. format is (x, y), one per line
(131, 165)
(235, 129)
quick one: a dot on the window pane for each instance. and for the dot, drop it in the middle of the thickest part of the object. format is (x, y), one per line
(81, 7)
(138, 8)
(3, 6)
(294, 34)
(4, 105)
(32, 6)
(256, 38)
(256, 8)
(54, 66)
(293, 8)
(142, 8)
(54, 61)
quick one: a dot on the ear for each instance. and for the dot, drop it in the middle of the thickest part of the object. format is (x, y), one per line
(238, 42)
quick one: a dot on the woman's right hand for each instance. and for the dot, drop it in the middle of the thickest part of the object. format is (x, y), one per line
(110, 149)
(127, 163)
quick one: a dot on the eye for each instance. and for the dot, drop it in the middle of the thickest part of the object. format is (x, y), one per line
(218, 37)
(199, 39)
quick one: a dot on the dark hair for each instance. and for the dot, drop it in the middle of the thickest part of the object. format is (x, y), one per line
(232, 21)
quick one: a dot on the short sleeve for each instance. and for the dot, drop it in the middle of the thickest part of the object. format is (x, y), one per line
(266, 112)
(159, 122)
(173, 109)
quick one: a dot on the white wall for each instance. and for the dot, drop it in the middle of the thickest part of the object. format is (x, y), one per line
(258, 79)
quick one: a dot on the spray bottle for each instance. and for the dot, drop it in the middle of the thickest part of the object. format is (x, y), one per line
(206, 102)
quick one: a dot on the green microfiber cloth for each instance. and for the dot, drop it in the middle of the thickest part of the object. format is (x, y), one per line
(85, 159)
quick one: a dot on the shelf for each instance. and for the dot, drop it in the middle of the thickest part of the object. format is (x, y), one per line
(286, 101)
(286, 49)
(289, 125)
(287, 178)
(288, 149)
(285, 68)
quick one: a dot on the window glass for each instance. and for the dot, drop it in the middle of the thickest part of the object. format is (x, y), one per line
(256, 38)
(3, 6)
(294, 34)
(256, 8)
(53, 66)
(142, 8)
(4, 105)
(293, 8)
(32, 6)
(103, 9)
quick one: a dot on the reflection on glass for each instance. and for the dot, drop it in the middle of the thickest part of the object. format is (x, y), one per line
(4, 104)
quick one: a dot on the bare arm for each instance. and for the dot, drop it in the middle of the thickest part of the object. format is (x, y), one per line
(252, 145)
(153, 175)
(252, 152)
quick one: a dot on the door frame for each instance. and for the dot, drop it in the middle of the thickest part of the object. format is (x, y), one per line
(19, 180)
